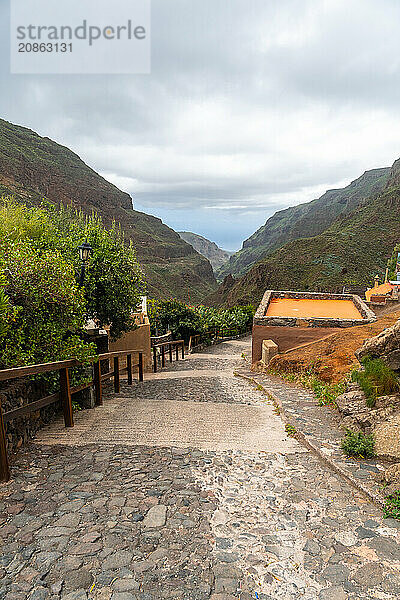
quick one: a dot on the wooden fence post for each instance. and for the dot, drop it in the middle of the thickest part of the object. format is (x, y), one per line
(140, 366)
(183, 349)
(65, 392)
(176, 351)
(4, 468)
(97, 383)
(116, 375)
(170, 353)
(155, 359)
(129, 367)
(163, 356)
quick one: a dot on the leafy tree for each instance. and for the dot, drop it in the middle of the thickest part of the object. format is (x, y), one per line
(6, 311)
(182, 320)
(44, 310)
(114, 280)
(393, 261)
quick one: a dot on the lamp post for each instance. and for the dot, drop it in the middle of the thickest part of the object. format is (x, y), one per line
(85, 250)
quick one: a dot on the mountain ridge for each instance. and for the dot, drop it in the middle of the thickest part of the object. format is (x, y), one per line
(33, 167)
(351, 250)
(304, 220)
(210, 250)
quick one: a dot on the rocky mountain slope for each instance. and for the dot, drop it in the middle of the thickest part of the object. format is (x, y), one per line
(33, 167)
(210, 250)
(304, 220)
(352, 250)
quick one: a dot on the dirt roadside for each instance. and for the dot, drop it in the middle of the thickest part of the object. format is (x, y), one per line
(333, 356)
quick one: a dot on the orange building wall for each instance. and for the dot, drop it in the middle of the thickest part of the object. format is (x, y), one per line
(138, 339)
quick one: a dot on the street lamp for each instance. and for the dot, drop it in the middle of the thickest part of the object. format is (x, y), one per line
(85, 250)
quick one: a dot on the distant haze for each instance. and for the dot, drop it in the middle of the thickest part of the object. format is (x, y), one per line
(250, 107)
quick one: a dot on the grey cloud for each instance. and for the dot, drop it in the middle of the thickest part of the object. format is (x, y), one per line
(250, 107)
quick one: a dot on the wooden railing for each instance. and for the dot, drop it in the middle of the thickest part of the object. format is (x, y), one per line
(216, 334)
(202, 338)
(159, 352)
(66, 392)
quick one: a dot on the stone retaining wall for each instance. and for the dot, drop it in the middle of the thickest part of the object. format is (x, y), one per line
(260, 318)
(290, 332)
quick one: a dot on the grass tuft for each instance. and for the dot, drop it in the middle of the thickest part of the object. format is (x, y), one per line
(358, 444)
(392, 506)
(326, 393)
(290, 430)
(377, 379)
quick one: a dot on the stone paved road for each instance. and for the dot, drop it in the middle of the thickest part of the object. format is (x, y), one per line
(148, 522)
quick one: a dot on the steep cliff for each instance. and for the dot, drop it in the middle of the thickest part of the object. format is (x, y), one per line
(351, 251)
(34, 167)
(305, 220)
(210, 250)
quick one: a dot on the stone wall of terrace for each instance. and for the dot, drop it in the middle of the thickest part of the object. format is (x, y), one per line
(261, 318)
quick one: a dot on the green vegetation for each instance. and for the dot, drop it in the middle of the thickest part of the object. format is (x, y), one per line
(326, 393)
(392, 262)
(304, 221)
(351, 250)
(377, 379)
(42, 309)
(35, 167)
(358, 444)
(290, 430)
(184, 320)
(392, 506)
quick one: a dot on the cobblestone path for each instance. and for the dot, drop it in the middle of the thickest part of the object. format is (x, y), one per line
(193, 514)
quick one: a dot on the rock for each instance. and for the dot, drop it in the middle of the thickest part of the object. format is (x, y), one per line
(386, 547)
(392, 359)
(336, 573)
(39, 594)
(369, 575)
(333, 593)
(156, 517)
(125, 585)
(55, 532)
(349, 402)
(346, 538)
(227, 557)
(56, 587)
(117, 560)
(81, 578)
(385, 345)
(364, 533)
(223, 543)
(392, 474)
(387, 437)
(226, 585)
(77, 595)
(137, 517)
(312, 547)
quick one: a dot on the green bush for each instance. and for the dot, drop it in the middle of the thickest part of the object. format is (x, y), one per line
(392, 262)
(377, 379)
(326, 393)
(358, 444)
(44, 310)
(184, 320)
(228, 321)
(113, 282)
(392, 506)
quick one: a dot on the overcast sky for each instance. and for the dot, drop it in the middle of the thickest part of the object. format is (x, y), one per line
(251, 106)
